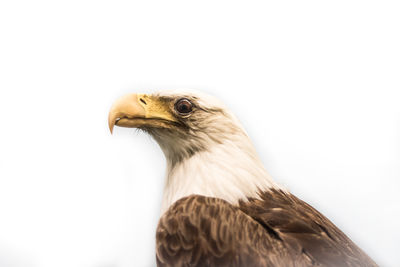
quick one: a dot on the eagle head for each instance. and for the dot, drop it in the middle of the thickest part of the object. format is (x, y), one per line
(207, 150)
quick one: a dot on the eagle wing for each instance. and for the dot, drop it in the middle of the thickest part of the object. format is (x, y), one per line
(276, 230)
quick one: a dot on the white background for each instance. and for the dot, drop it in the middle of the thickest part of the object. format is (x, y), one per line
(315, 83)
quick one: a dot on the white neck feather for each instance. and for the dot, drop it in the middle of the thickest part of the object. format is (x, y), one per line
(228, 171)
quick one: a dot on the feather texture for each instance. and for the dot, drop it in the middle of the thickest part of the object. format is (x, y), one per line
(276, 230)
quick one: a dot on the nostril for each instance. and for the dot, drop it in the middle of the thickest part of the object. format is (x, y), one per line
(142, 100)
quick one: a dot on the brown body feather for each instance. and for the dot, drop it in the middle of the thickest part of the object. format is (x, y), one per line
(278, 230)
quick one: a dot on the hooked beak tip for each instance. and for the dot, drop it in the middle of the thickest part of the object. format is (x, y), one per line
(111, 123)
(126, 106)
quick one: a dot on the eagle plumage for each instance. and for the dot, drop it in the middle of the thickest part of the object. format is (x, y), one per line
(220, 206)
(278, 230)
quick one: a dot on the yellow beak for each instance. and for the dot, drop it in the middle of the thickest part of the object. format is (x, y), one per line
(136, 110)
(125, 110)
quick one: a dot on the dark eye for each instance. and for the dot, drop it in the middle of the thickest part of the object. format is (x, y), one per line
(184, 106)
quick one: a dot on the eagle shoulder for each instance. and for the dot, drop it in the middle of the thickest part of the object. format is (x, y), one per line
(205, 231)
(276, 230)
(301, 227)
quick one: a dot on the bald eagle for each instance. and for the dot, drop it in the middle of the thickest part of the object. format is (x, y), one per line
(220, 207)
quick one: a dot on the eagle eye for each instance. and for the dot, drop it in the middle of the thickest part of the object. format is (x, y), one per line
(184, 106)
